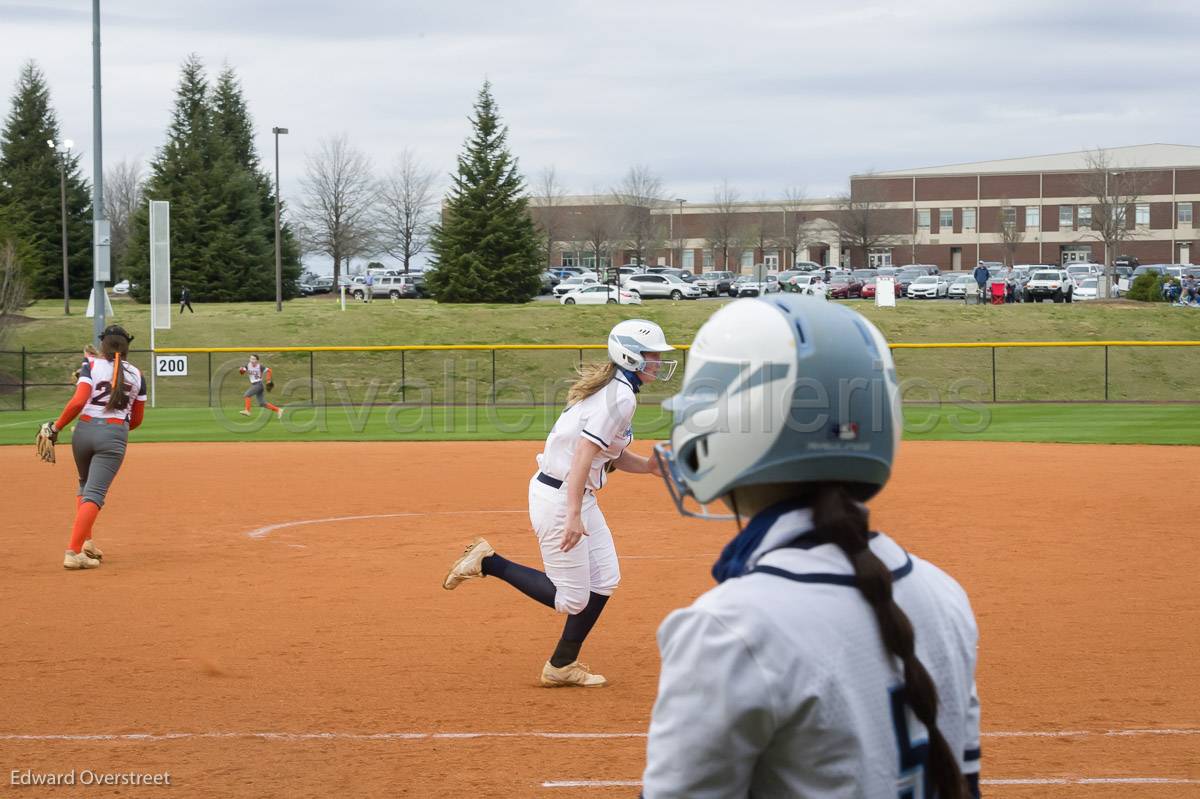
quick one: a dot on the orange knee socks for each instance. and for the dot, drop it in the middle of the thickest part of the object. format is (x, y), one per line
(247, 403)
(272, 408)
(85, 517)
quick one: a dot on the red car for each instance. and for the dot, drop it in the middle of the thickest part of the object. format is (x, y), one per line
(842, 287)
(868, 289)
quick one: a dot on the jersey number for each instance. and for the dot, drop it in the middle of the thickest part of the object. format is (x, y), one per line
(914, 755)
(104, 391)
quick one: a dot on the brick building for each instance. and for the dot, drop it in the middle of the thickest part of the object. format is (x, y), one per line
(951, 216)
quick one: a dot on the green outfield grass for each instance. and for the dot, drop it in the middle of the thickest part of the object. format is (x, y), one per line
(1082, 424)
(1021, 375)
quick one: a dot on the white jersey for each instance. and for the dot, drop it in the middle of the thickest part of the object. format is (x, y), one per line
(605, 419)
(98, 373)
(255, 372)
(777, 683)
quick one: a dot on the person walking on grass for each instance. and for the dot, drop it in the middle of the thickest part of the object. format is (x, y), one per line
(185, 299)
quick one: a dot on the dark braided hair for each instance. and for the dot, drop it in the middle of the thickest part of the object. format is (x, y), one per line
(836, 513)
(115, 345)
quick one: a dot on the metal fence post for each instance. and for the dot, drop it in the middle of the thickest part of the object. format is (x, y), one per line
(993, 374)
(312, 378)
(1106, 373)
(210, 379)
(24, 378)
(402, 378)
(493, 376)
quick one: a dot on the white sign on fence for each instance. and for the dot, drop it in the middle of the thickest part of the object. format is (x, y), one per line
(885, 292)
(171, 365)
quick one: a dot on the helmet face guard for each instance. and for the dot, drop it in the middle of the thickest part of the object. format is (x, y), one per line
(666, 369)
(678, 489)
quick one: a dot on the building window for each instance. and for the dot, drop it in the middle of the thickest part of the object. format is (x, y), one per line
(747, 259)
(689, 259)
(946, 219)
(1066, 217)
(1033, 217)
(1183, 213)
(1008, 216)
(1142, 214)
(923, 219)
(771, 260)
(708, 260)
(968, 219)
(1085, 217)
(570, 259)
(879, 256)
(1118, 215)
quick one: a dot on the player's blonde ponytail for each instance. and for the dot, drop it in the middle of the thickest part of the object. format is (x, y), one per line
(114, 347)
(592, 378)
(836, 513)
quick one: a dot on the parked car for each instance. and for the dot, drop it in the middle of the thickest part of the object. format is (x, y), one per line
(549, 281)
(572, 283)
(862, 275)
(844, 286)
(630, 269)
(1078, 272)
(906, 276)
(811, 283)
(683, 274)
(121, 287)
(600, 295)
(393, 286)
(928, 287)
(652, 285)
(959, 287)
(871, 284)
(1050, 284)
(931, 269)
(715, 283)
(1087, 289)
(304, 289)
(748, 286)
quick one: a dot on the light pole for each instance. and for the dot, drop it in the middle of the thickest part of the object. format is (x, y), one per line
(278, 256)
(61, 149)
(681, 201)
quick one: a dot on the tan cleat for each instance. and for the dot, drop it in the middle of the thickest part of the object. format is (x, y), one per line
(91, 550)
(470, 565)
(279, 414)
(81, 561)
(572, 675)
(244, 413)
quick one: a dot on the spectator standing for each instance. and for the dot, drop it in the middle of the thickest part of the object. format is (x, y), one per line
(981, 275)
(185, 300)
(370, 283)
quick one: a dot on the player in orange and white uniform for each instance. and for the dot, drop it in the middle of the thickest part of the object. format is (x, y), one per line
(260, 378)
(109, 400)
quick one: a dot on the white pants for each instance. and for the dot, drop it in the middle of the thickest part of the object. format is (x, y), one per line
(591, 565)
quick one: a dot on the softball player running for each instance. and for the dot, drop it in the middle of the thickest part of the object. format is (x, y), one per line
(111, 394)
(828, 661)
(588, 440)
(260, 379)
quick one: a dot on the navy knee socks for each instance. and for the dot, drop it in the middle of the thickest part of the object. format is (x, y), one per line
(530, 582)
(576, 630)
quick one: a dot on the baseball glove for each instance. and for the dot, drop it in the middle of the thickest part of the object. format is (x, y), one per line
(270, 385)
(46, 437)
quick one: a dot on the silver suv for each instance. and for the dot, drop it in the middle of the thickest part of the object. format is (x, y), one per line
(646, 286)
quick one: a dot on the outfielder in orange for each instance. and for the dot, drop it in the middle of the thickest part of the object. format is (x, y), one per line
(110, 397)
(260, 378)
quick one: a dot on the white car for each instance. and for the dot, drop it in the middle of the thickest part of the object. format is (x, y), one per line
(667, 286)
(573, 283)
(1049, 283)
(1087, 289)
(929, 287)
(121, 288)
(747, 286)
(600, 295)
(960, 286)
(810, 284)
(1080, 272)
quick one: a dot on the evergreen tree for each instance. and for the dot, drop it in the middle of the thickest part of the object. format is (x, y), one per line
(29, 192)
(486, 248)
(222, 238)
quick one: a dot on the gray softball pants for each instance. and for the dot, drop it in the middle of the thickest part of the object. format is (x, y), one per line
(99, 449)
(257, 391)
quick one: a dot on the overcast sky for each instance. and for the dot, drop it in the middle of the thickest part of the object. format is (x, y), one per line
(764, 93)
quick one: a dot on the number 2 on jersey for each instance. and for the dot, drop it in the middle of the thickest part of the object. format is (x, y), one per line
(914, 755)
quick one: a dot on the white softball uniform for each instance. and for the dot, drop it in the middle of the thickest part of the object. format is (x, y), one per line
(778, 683)
(98, 373)
(606, 419)
(255, 371)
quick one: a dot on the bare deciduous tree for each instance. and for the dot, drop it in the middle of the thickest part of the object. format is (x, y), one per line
(122, 196)
(600, 231)
(548, 213)
(339, 193)
(1114, 192)
(406, 203)
(724, 229)
(13, 291)
(639, 193)
(793, 237)
(860, 220)
(1011, 234)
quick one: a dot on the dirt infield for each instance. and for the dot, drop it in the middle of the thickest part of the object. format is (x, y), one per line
(248, 655)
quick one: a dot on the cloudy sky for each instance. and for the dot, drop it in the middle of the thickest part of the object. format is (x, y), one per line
(767, 94)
